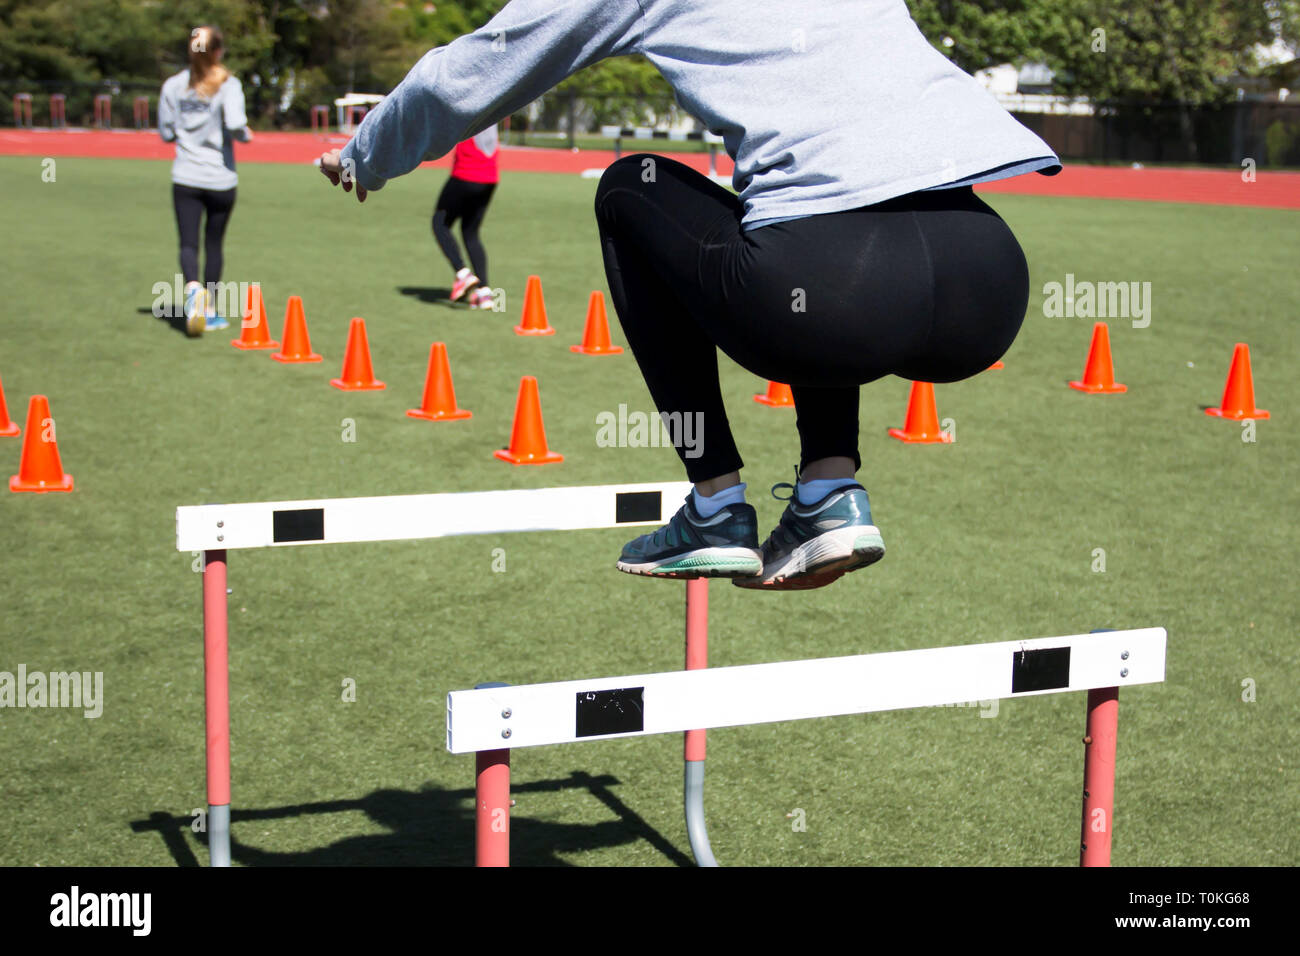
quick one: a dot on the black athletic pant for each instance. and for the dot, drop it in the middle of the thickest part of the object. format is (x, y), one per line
(190, 205)
(931, 287)
(467, 202)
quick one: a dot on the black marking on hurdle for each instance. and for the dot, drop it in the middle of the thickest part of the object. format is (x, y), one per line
(628, 132)
(1047, 668)
(631, 506)
(302, 524)
(617, 711)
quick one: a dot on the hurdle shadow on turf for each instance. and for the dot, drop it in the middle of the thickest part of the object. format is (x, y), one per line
(177, 322)
(429, 827)
(432, 295)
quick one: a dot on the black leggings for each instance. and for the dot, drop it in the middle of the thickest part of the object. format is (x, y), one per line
(930, 287)
(467, 202)
(190, 205)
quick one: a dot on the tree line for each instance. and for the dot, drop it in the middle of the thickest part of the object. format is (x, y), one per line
(293, 53)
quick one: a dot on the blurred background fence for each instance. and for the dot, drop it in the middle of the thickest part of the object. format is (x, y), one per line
(1267, 131)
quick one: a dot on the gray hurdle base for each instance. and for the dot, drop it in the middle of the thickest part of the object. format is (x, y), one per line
(213, 530)
(492, 719)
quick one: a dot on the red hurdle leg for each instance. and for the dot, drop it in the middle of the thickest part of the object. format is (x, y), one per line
(1099, 776)
(697, 649)
(216, 693)
(492, 808)
(697, 657)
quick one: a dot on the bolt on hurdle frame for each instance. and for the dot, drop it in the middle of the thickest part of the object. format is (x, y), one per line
(216, 529)
(480, 721)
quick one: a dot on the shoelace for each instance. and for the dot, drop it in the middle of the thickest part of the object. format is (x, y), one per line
(785, 484)
(790, 497)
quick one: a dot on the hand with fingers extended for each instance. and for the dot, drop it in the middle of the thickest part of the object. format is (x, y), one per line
(338, 171)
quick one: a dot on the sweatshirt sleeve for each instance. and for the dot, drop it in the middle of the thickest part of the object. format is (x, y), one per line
(233, 112)
(167, 113)
(456, 90)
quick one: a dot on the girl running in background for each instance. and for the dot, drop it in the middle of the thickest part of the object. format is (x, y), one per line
(856, 248)
(474, 177)
(201, 110)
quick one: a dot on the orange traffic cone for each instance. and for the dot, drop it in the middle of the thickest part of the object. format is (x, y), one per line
(358, 376)
(534, 319)
(595, 335)
(778, 396)
(439, 403)
(297, 344)
(1238, 400)
(8, 428)
(253, 332)
(528, 436)
(39, 468)
(1099, 374)
(922, 423)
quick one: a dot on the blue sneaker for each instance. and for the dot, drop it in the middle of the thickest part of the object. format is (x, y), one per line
(689, 546)
(215, 323)
(819, 543)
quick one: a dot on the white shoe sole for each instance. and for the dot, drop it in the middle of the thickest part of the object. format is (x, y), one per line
(822, 560)
(196, 318)
(704, 563)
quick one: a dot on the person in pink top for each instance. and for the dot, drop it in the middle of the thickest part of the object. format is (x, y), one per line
(474, 177)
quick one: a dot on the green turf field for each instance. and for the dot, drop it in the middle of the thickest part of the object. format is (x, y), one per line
(989, 539)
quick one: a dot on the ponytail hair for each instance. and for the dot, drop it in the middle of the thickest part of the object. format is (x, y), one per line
(206, 73)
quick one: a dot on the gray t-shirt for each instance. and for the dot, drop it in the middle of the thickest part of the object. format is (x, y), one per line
(203, 131)
(824, 106)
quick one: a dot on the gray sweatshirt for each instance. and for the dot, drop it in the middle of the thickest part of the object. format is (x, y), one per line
(203, 131)
(824, 106)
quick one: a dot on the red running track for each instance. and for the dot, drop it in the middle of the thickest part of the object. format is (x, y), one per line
(1217, 186)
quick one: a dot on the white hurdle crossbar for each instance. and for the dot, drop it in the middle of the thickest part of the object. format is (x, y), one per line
(497, 718)
(405, 517)
(216, 529)
(620, 133)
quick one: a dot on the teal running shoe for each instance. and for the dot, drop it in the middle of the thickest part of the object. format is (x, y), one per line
(689, 546)
(817, 544)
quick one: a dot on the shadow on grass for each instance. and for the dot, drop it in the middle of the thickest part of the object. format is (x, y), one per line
(429, 827)
(433, 295)
(177, 322)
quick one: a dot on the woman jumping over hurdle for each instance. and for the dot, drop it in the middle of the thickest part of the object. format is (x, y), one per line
(201, 110)
(856, 248)
(465, 196)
